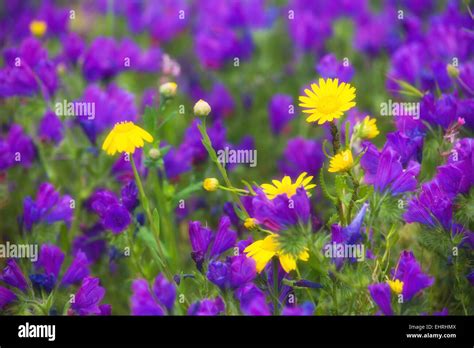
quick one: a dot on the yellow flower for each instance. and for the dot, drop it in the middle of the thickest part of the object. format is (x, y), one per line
(286, 186)
(396, 286)
(341, 162)
(327, 101)
(38, 28)
(250, 223)
(125, 137)
(263, 250)
(202, 108)
(168, 89)
(210, 184)
(367, 129)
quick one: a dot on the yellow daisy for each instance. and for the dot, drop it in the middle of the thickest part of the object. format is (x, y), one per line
(125, 137)
(367, 129)
(327, 101)
(286, 186)
(263, 250)
(341, 162)
(396, 286)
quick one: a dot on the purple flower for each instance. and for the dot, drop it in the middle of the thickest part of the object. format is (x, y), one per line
(21, 147)
(6, 296)
(24, 66)
(73, 47)
(380, 293)
(50, 260)
(12, 275)
(306, 308)
(441, 112)
(432, 207)
(252, 300)
(48, 207)
(279, 214)
(116, 218)
(91, 243)
(51, 128)
(130, 196)
(301, 155)
(156, 302)
(78, 269)
(110, 106)
(410, 273)
(280, 112)
(101, 59)
(384, 170)
(219, 273)
(330, 67)
(177, 161)
(88, 297)
(206, 245)
(165, 291)
(220, 99)
(100, 200)
(142, 301)
(207, 307)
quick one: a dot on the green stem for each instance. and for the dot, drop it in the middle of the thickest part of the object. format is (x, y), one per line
(275, 286)
(146, 206)
(355, 185)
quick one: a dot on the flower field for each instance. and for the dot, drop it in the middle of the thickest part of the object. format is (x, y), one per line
(252, 157)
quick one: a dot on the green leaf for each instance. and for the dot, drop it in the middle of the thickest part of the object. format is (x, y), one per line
(149, 120)
(365, 191)
(324, 187)
(187, 191)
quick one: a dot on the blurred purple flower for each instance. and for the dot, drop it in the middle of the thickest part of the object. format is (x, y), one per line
(280, 112)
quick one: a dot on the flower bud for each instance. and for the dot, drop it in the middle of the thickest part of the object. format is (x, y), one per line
(452, 71)
(202, 108)
(168, 89)
(210, 184)
(38, 28)
(154, 153)
(250, 223)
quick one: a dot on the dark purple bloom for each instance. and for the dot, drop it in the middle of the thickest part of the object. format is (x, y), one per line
(51, 128)
(142, 301)
(88, 297)
(385, 170)
(380, 293)
(219, 273)
(50, 260)
(12, 275)
(221, 101)
(330, 67)
(280, 112)
(279, 213)
(178, 161)
(242, 270)
(165, 291)
(441, 112)
(24, 66)
(6, 296)
(73, 47)
(100, 200)
(91, 243)
(432, 207)
(130, 196)
(206, 245)
(410, 273)
(207, 307)
(111, 106)
(21, 146)
(48, 207)
(252, 300)
(78, 269)
(306, 308)
(301, 155)
(116, 218)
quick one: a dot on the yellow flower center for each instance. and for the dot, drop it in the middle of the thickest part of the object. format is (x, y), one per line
(396, 286)
(38, 28)
(328, 104)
